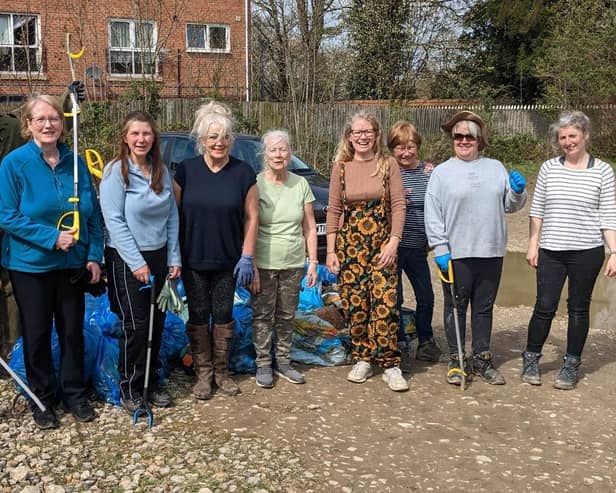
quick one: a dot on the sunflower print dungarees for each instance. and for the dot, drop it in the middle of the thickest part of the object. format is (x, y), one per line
(368, 294)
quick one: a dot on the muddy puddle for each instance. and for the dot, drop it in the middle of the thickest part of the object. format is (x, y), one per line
(518, 287)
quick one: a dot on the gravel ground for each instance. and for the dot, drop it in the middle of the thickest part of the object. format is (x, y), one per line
(185, 451)
(333, 436)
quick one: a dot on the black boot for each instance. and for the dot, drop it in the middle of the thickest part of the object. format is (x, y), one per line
(482, 366)
(568, 375)
(530, 368)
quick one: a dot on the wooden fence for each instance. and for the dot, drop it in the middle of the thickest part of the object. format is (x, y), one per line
(315, 129)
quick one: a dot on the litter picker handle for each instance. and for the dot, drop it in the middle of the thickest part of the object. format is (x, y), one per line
(73, 56)
(449, 278)
(95, 163)
(65, 225)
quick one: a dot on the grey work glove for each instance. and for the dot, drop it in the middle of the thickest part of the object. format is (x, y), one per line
(169, 299)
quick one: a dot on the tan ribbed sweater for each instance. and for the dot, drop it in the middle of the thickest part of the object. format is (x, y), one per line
(360, 186)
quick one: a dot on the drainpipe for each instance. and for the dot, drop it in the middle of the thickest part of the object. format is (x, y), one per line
(246, 3)
(178, 75)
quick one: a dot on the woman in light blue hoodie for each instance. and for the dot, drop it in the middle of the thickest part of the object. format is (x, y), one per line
(142, 223)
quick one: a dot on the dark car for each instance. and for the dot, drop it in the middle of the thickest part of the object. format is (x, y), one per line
(177, 146)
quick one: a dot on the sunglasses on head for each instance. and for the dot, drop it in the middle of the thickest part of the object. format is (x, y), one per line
(461, 137)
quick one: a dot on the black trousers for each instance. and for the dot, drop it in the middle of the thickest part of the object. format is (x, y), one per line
(132, 306)
(581, 267)
(476, 282)
(210, 295)
(43, 298)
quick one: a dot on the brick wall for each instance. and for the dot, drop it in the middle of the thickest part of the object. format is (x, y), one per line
(180, 73)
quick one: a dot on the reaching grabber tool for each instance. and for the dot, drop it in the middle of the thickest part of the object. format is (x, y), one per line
(70, 220)
(95, 163)
(144, 408)
(450, 280)
(23, 385)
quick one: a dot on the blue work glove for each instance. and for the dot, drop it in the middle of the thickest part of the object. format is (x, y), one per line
(517, 181)
(244, 271)
(443, 262)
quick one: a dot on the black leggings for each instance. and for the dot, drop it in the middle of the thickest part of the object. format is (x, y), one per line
(209, 294)
(581, 267)
(476, 281)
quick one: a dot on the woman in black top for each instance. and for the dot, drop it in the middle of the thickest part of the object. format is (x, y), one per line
(218, 201)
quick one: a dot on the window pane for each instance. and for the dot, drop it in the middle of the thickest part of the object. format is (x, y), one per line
(25, 60)
(195, 36)
(5, 60)
(5, 33)
(144, 33)
(24, 30)
(120, 35)
(121, 62)
(218, 38)
(144, 62)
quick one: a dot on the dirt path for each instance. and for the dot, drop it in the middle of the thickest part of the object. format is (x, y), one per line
(436, 438)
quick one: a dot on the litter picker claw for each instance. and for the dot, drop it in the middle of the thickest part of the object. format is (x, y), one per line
(450, 280)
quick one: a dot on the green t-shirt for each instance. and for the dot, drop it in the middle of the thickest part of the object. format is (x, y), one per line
(280, 243)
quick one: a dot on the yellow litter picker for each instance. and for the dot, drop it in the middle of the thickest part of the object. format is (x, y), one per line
(70, 220)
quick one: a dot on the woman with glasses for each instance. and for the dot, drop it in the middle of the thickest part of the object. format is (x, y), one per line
(219, 217)
(466, 201)
(43, 259)
(365, 218)
(572, 215)
(404, 141)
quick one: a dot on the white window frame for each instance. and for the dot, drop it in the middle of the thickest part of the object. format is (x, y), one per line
(207, 48)
(11, 44)
(134, 49)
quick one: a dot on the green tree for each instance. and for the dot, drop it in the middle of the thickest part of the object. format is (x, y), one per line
(578, 61)
(378, 35)
(497, 49)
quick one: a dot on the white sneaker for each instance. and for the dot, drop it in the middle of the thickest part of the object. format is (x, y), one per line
(393, 377)
(361, 371)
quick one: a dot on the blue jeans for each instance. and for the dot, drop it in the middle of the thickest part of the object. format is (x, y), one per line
(414, 263)
(581, 267)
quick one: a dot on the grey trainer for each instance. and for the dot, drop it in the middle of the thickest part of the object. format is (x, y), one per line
(265, 377)
(289, 373)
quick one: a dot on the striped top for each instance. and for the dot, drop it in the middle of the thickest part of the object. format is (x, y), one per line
(415, 183)
(574, 204)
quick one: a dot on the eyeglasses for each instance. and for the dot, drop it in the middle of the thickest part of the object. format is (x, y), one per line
(358, 133)
(411, 146)
(40, 121)
(461, 137)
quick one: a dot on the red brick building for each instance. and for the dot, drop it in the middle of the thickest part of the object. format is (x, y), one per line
(186, 47)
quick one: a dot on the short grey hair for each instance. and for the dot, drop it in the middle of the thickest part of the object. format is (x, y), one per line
(575, 119)
(278, 134)
(473, 128)
(212, 113)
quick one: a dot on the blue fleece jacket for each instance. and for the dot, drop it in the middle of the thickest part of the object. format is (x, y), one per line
(33, 197)
(137, 218)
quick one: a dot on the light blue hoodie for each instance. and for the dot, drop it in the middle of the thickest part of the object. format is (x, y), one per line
(33, 197)
(137, 218)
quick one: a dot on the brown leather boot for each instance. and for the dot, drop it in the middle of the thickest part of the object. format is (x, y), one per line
(223, 337)
(201, 347)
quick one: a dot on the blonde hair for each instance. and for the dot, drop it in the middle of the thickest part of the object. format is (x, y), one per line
(209, 114)
(26, 114)
(345, 151)
(401, 133)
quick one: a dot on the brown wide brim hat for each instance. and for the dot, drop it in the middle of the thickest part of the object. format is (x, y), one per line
(467, 116)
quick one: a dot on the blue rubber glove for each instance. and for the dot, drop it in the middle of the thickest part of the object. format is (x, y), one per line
(244, 271)
(443, 262)
(517, 181)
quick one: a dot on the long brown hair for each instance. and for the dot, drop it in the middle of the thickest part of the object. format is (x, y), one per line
(345, 151)
(123, 154)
